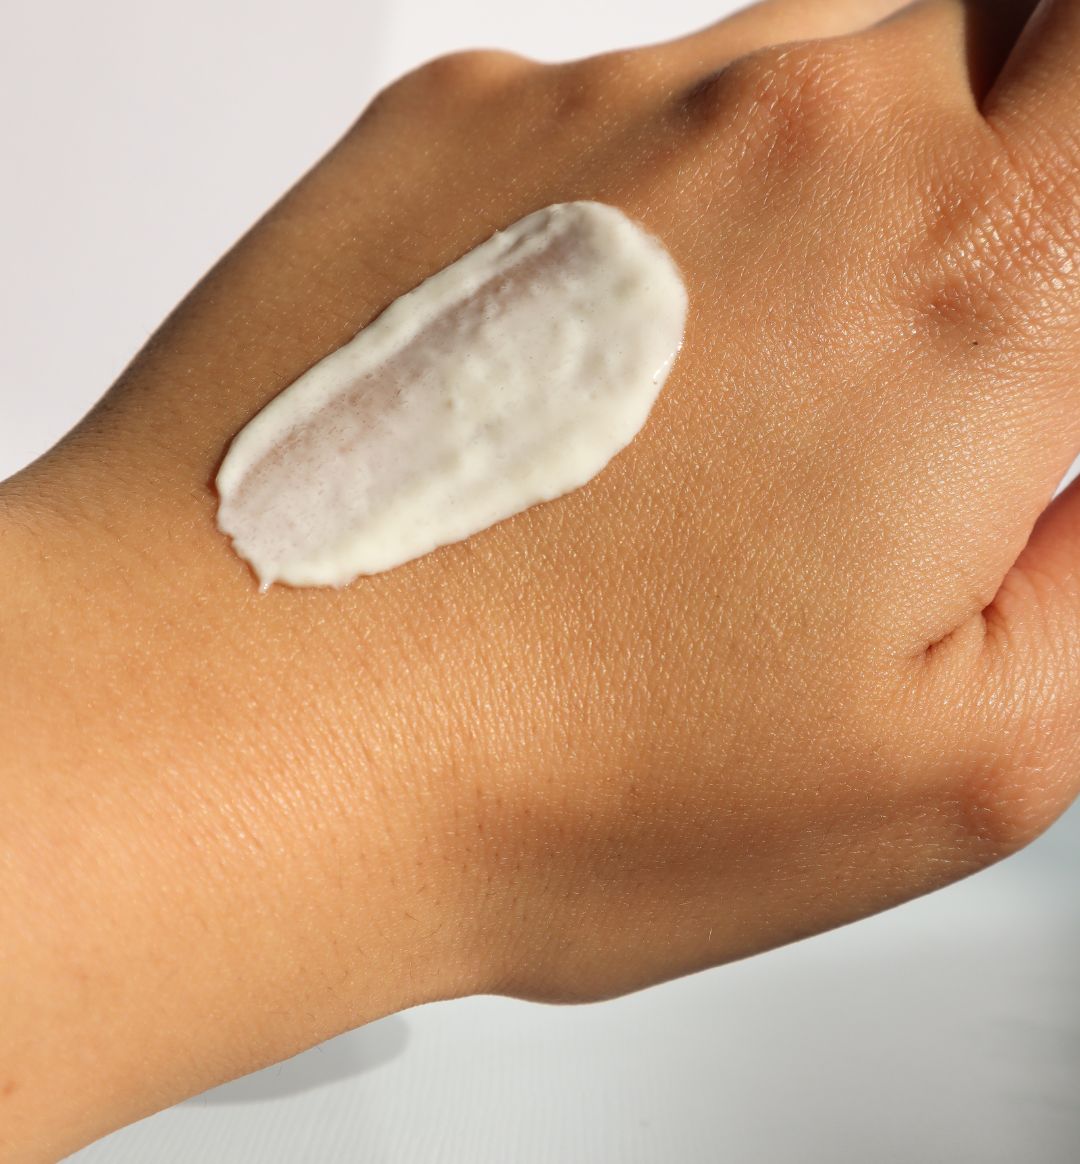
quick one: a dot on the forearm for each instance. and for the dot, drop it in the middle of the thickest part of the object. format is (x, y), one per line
(228, 820)
(174, 912)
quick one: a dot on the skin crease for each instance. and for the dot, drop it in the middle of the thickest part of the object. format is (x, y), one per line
(804, 651)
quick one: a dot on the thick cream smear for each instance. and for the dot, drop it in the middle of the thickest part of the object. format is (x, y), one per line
(510, 377)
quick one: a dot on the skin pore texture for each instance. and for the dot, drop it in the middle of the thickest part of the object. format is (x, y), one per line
(807, 648)
(510, 377)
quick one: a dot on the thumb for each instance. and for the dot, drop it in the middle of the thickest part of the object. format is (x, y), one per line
(1033, 649)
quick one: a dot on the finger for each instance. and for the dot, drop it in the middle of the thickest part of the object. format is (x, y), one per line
(965, 41)
(1031, 643)
(1036, 97)
(775, 22)
(1044, 583)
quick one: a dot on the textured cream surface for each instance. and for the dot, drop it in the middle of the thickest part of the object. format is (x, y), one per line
(510, 377)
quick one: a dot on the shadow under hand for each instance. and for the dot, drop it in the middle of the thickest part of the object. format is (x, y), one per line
(346, 1056)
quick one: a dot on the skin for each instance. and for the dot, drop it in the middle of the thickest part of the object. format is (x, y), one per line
(808, 648)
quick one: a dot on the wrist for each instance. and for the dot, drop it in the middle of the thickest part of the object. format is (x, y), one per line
(206, 868)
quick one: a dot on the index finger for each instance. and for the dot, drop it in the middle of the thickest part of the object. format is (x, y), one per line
(1036, 98)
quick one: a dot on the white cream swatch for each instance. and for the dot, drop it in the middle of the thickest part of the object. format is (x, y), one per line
(510, 377)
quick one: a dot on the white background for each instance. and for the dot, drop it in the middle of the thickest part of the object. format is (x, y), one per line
(139, 140)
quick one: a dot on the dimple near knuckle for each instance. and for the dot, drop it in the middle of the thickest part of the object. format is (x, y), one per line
(1023, 230)
(600, 84)
(981, 263)
(789, 93)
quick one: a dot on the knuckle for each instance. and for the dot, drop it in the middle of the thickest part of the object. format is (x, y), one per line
(987, 747)
(988, 259)
(787, 95)
(1016, 775)
(1039, 207)
(965, 277)
(1044, 169)
(600, 84)
(990, 818)
(462, 74)
(998, 807)
(472, 69)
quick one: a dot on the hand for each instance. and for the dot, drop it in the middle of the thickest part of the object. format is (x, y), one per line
(805, 650)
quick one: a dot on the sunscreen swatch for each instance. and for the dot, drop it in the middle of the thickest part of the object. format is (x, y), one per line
(508, 378)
